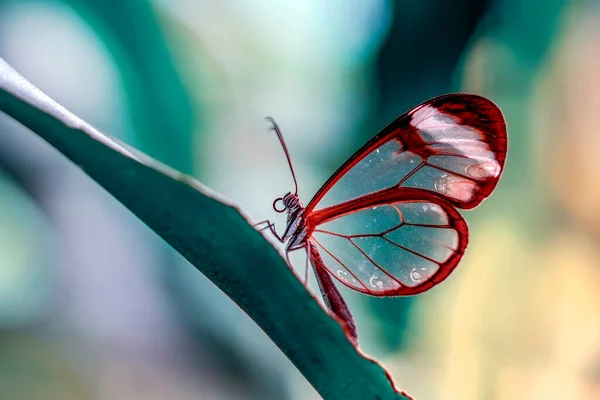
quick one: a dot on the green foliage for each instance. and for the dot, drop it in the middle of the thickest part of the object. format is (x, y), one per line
(214, 237)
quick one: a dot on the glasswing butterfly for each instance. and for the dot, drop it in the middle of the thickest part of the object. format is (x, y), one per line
(386, 223)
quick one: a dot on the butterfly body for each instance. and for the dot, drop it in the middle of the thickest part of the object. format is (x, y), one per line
(295, 231)
(387, 222)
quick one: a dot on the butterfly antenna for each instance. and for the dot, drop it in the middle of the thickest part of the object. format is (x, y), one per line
(285, 150)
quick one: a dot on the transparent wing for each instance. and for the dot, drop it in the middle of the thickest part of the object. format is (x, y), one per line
(453, 146)
(400, 248)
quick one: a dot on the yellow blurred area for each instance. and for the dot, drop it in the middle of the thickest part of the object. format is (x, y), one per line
(573, 172)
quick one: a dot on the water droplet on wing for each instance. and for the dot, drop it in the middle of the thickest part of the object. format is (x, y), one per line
(418, 275)
(456, 187)
(484, 170)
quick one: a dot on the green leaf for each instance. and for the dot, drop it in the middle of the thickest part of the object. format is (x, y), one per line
(214, 237)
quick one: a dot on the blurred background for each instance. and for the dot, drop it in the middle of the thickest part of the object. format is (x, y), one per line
(94, 306)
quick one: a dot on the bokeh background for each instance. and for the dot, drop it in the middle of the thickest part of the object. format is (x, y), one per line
(94, 306)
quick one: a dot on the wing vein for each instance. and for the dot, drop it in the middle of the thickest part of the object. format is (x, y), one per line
(452, 172)
(411, 173)
(375, 264)
(341, 263)
(413, 252)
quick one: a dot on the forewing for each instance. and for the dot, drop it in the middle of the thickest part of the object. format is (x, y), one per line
(393, 249)
(453, 146)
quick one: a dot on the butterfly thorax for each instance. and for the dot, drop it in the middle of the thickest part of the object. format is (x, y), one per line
(295, 230)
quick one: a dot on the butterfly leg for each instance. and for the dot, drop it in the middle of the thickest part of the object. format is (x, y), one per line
(271, 226)
(287, 257)
(266, 221)
(306, 272)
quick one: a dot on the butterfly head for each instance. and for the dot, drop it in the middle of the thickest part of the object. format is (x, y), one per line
(289, 202)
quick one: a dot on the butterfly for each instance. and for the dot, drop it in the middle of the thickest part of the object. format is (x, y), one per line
(387, 223)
